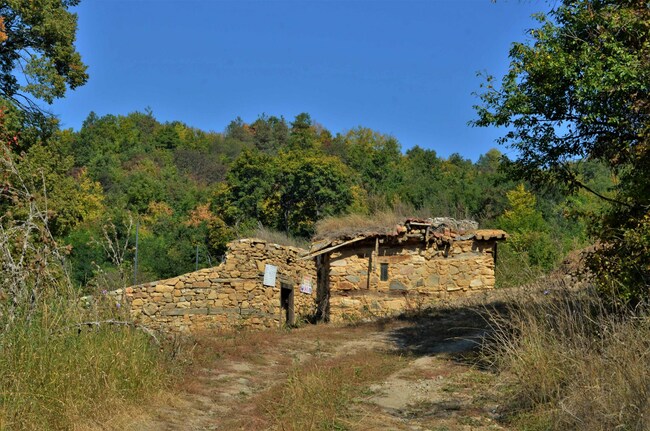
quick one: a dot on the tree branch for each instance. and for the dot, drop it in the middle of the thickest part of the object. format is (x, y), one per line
(585, 187)
(98, 323)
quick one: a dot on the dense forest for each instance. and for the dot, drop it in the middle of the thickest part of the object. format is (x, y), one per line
(188, 192)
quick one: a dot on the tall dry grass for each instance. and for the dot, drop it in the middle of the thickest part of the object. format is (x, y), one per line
(570, 362)
(56, 376)
(56, 371)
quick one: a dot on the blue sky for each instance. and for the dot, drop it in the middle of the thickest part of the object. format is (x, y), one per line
(405, 68)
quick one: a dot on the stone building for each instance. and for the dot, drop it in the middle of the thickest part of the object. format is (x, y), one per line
(387, 271)
(345, 276)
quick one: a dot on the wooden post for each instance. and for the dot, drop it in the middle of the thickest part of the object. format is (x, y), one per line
(323, 288)
(374, 268)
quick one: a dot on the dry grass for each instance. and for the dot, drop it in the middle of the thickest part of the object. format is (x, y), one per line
(570, 362)
(57, 378)
(277, 237)
(237, 346)
(320, 395)
(355, 224)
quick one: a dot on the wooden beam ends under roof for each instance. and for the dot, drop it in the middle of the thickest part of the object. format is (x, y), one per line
(328, 249)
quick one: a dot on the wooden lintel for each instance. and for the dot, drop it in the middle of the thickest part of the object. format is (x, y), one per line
(329, 249)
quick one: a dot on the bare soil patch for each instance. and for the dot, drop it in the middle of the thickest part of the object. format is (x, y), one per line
(409, 373)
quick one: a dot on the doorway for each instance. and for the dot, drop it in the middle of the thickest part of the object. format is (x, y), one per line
(286, 303)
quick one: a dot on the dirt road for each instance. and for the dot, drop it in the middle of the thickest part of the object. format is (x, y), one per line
(414, 373)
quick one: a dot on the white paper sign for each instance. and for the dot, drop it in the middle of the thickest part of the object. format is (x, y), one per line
(305, 286)
(270, 272)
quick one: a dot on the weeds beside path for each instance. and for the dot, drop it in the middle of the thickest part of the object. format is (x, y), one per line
(401, 374)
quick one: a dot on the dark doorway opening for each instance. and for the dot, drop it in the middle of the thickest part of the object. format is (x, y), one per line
(286, 303)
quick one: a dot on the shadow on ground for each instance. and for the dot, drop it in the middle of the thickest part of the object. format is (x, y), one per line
(450, 330)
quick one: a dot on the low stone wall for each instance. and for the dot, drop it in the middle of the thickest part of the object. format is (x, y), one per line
(228, 296)
(416, 276)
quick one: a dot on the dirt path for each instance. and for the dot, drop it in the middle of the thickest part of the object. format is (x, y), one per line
(435, 387)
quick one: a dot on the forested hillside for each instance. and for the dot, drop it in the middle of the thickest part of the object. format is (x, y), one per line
(190, 191)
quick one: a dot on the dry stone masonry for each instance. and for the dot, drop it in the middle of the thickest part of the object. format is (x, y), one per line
(384, 273)
(344, 277)
(231, 295)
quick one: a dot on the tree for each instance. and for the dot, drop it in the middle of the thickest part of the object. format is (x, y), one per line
(307, 189)
(37, 42)
(289, 192)
(376, 157)
(532, 248)
(303, 135)
(270, 133)
(579, 90)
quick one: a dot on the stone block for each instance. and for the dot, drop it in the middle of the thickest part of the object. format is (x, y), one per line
(149, 309)
(396, 285)
(137, 302)
(345, 285)
(349, 303)
(433, 280)
(476, 283)
(353, 278)
(184, 311)
(394, 305)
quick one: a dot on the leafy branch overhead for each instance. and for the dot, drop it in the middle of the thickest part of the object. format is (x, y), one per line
(579, 90)
(38, 58)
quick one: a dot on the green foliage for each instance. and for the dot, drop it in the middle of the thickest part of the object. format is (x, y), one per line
(532, 248)
(270, 134)
(307, 189)
(38, 43)
(302, 136)
(375, 157)
(69, 195)
(289, 193)
(623, 262)
(579, 91)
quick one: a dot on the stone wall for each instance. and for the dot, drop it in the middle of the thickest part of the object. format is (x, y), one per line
(228, 296)
(416, 276)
